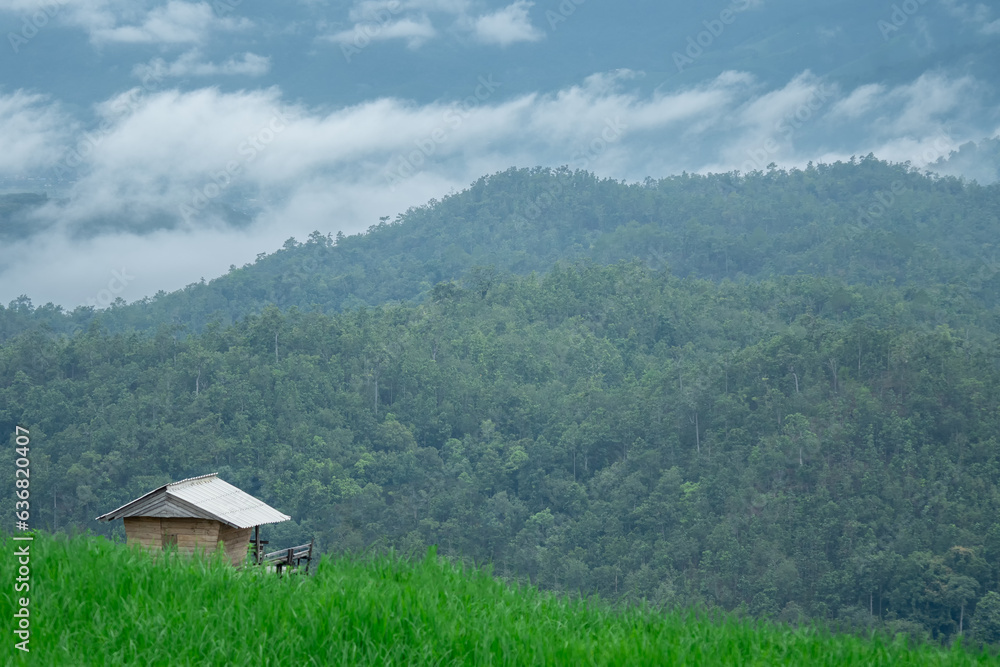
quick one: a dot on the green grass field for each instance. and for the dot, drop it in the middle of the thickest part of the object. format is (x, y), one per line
(96, 603)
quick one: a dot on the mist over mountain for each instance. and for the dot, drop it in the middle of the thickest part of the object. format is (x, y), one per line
(975, 161)
(865, 221)
(165, 131)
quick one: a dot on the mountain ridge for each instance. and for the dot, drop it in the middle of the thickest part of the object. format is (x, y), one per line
(865, 221)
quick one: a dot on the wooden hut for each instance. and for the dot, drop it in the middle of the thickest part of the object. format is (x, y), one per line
(196, 514)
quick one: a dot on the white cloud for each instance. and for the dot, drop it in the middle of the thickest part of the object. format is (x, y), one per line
(414, 21)
(919, 152)
(414, 31)
(191, 64)
(341, 169)
(930, 100)
(829, 33)
(378, 10)
(507, 26)
(172, 23)
(133, 21)
(976, 14)
(32, 131)
(456, 7)
(860, 101)
(769, 109)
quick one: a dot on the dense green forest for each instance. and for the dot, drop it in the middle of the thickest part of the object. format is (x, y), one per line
(865, 221)
(761, 393)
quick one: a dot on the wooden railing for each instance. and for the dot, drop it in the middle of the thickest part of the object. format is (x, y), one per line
(291, 557)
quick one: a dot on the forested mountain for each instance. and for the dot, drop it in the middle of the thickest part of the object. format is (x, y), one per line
(774, 393)
(865, 221)
(794, 447)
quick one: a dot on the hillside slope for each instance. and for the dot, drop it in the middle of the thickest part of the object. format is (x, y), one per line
(785, 447)
(119, 607)
(864, 222)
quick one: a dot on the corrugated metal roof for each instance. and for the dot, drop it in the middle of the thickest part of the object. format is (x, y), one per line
(215, 498)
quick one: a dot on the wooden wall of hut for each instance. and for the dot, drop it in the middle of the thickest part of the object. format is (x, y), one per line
(236, 542)
(189, 535)
(144, 531)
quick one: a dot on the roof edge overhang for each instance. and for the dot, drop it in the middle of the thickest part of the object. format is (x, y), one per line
(202, 513)
(114, 514)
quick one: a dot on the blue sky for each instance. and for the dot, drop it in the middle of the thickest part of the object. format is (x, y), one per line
(177, 138)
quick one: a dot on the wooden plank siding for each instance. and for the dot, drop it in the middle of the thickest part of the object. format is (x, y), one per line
(236, 542)
(144, 531)
(189, 535)
(192, 534)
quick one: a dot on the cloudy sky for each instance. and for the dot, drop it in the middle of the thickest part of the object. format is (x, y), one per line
(178, 138)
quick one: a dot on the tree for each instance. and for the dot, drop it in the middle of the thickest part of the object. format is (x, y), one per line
(986, 621)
